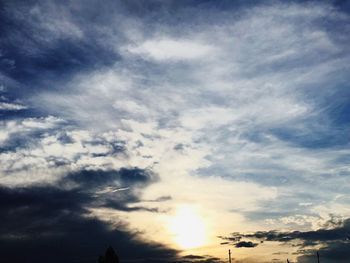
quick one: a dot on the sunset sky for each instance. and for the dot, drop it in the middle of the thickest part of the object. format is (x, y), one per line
(175, 130)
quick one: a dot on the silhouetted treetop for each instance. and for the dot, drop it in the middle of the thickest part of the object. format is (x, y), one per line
(109, 257)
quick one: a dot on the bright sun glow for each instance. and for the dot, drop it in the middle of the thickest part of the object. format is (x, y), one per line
(188, 228)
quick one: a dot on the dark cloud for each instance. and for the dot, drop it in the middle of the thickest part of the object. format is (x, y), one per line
(199, 259)
(332, 253)
(160, 199)
(245, 244)
(236, 237)
(23, 113)
(236, 241)
(92, 179)
(44, 44)
(339, 233)
(115, 146)
(117, 189)
(122, 207)
(46, 222)
(53, 223)
(335, 241)
(34, 38)
(193, 257)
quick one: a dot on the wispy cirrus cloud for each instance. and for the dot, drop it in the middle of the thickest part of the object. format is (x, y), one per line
(252, 99)
(11, 106)
(171, 49)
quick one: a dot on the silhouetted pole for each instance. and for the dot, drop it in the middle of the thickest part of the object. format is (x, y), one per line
(229, 255)
(318, 257)
(288, 261)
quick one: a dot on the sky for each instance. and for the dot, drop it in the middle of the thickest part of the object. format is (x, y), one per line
(175, 130)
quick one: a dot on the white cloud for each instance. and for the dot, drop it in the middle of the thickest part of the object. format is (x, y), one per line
(248, 76)
(11, 106)
(27, 125)
(171, 49)
(52, 157)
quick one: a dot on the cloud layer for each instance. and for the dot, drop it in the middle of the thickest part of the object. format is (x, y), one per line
(332, 241)
(132, 109)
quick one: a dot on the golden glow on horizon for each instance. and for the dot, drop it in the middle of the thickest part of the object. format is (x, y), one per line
(188, 228)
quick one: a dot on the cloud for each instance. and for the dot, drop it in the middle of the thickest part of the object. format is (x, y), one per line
(11, 106)
(115, 189)
(245, 244)
(218, 100)
(97, 184)
(38, 221)
(171, 49)
(332, 253)
(338, 233)
(52, 38)
(332, 242)
(196, 258)
(160, 199)
(125, 177)
(42, 146)
(246, 112)
(21, 127)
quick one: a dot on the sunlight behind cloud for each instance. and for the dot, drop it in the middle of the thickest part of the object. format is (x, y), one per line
(188, 228)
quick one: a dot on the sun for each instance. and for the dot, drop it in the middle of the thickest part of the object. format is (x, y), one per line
(188, 228)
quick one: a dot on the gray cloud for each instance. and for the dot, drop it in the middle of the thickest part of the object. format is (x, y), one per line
(247, 244)
(334, 241)
(38, 220)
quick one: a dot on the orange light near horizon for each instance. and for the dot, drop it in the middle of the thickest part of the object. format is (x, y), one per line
(188, 228)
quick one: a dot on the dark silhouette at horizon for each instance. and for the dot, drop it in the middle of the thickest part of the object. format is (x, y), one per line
(109, 257)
